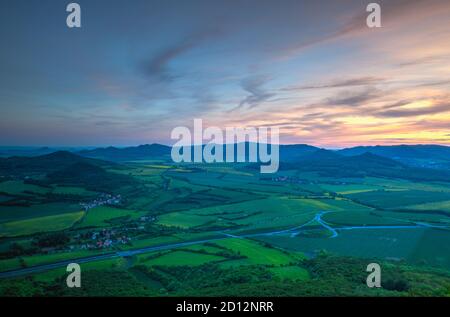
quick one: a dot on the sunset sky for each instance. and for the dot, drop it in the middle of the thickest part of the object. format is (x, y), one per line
(137, 69)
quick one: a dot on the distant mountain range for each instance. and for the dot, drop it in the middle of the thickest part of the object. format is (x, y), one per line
(158, 151)
(430, 156)
(426, 156)
(401, 151)
(141, 152)
(7, 151)
(416, 162)
(433, 156)
(364, 165)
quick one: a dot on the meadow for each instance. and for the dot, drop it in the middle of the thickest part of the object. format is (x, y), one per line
(36, 224)
(103, 216)
(224, 222)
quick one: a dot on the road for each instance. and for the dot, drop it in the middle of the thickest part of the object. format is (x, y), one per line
(112, 255)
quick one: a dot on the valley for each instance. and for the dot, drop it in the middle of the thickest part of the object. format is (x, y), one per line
(144, 223)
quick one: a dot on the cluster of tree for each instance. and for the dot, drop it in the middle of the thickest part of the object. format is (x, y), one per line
(91, 177)
(52, 240)
(17, 250)
(330, 276)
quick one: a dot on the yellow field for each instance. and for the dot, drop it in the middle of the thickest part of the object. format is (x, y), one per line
(440, 205)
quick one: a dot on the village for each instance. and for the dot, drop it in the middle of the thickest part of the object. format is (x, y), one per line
(110, 237)
(107, 237)
(103, 199)
(297, 180)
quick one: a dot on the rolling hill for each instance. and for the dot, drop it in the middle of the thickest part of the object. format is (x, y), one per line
(43, 164)
(363, 165)
(431, 156)
(146, 151)
(90, 176)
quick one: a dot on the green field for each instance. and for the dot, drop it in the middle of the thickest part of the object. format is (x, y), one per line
(19, 187)
(399, 199)
(350, 189)
(68, 190)
(39, 259)
(225, 228)
(290, 272)
(440, 205)
(183, 220)
(13, 213)
(361, 218)
(178, 258)
(255, 253)
(419, 246)
(106, 265)
(40, 224)
(102, 216)
(10, 264)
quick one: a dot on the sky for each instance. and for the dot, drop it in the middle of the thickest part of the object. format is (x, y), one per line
(136, 69)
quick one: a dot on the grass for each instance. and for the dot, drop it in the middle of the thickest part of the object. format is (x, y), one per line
(183, 220)
(179, 183)
(19, 187)
(255, 252)
(14, 213)
(290, 272)
(350, 189)
(40, 224)
(359, 218)
(33, 260)
(223, 196)
(416, 216)
(186, 199)
(265, 214)
(275, 213)
(234, 181)
(397, 184)
(56, 257)
(178, 258)
(418, 246)
(432, 248)
(204, 248)
(159, 166)
(99, 216)
(110, 264)
(70, 190)
(10, 264)
(148, 242)
(399, 199)
(439, 205)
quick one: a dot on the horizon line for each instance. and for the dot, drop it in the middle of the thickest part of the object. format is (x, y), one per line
(143, 144)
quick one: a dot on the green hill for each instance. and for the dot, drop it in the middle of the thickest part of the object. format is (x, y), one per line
(43, 164)
(91, 177)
